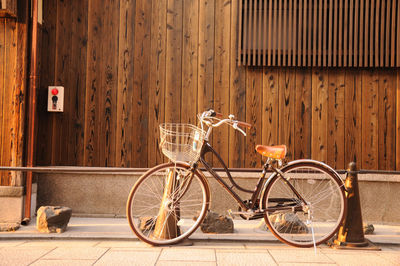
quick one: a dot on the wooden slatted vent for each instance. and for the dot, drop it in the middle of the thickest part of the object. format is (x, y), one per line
(323, 33)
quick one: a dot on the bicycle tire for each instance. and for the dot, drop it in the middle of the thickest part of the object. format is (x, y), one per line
(324, 192)
(152, 212)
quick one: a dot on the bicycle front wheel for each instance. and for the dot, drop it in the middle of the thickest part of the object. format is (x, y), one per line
(167, 204)
(307, 205)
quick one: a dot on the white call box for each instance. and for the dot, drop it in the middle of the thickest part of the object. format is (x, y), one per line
(55, 100)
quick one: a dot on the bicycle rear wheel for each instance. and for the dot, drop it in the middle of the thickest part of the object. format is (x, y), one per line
(300, 224)
(167, 204)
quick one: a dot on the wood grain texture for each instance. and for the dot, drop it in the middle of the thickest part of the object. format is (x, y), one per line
(270, 107)
(398, 120)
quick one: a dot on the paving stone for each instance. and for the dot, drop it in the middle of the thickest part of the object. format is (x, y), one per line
(60, 243)
(122, 244)
(192, 254)
(185, 263)
(20, 255)
(392, 256)
(360, 258)
(11, 243)
(238, 257)
(63, 262)
(89, 253)
(299, 255)
(129, 257)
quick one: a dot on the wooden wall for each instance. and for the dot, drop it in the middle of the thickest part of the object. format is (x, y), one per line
(13, 82)
(128, 66)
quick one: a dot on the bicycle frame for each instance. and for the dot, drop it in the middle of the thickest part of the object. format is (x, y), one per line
(255, 194)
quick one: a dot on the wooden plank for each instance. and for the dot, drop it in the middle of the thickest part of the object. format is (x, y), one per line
(125, 129)
(386, 117)
(141, 81)
(275, 43)
(237, 103)
(265, 31)
(157, 79)
(324, 19)
(245, 29)
(319, 136)
(260, 34)
(287, 83)
(302, 114)
(77, 76)
(398, 35)
(3, 175)
(205, 94)
(93, 83)
(270, 107)
(398, 118)
(221, 73)
(369, 137)
(254, 32)
(366, 34)
(353, 113)
(44, 145)
(330, 30)
(387, 36)
(336, 119)
(340, 38)
(253, 116)
(250, 32)
(307, 47)
(190, 60)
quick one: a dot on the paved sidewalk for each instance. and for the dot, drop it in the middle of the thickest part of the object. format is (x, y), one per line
(109, 241)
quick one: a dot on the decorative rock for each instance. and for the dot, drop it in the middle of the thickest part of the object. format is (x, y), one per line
(368, 229)
(283, 221)
(9, 227)
(215, 223)
(53, 219)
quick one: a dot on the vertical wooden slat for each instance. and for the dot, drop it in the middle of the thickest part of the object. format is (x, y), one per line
(240, 29)
(265, 34)
(335, 34)
(221, 72)
(393, 34)
(340, 41)
(330, 33)
(254, 94)
(387, 37)
(361, 50)
(157, 79)
(205, 78)
(190, 61)
(254, 32)
(366, 34)
(237, 103)
(275, 33)
(386, 117)
(250, 32)
(306, 23)
(299, 53)
(285, 38)
(336, 126)
(382, 34)
(260, 34)
(294, 31)
(319, 115)
(369, 138)
(174, 62)
(351, 17)
(3, 176)
(352, 107)
(302, 112)
(372, 37)
(356, 30)
(245, 31)
(270, 107)
(314, 47)
(325, 22)
(398, 35)
(280, 33)
(398, 115)
(345, 32)
(270, 29)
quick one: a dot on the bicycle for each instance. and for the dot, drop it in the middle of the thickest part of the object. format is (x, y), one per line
(302, 202)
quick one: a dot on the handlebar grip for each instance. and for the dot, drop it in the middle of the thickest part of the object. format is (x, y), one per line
(216, 114)
(244, 124)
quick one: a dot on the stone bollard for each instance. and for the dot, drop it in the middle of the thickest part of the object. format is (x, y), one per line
(53, 219)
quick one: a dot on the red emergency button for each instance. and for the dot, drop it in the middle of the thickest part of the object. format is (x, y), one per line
(54, 91)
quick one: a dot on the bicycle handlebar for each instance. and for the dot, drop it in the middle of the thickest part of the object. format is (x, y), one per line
(207, 117)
